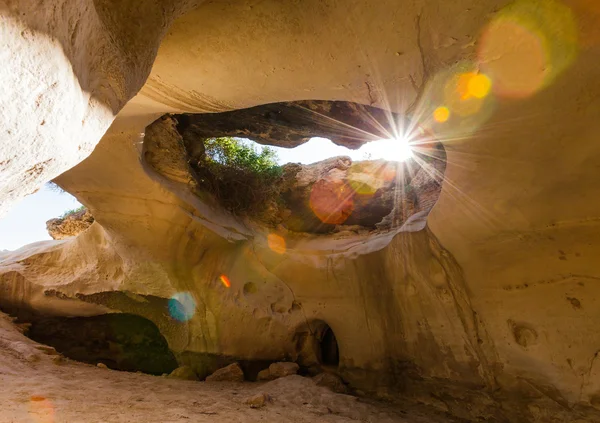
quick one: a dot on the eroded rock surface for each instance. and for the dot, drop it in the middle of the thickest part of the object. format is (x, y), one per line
(319, 198)
(277, 370)
(118, 341)
(71, 225)
(231, 373)
(485, 309)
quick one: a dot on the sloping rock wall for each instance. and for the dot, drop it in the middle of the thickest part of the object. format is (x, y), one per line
(491, 303)
(71, 225)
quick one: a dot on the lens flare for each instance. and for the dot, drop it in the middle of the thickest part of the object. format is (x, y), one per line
(276, 243)
(392, 149)
(41, 409)
(225, 281)
(478, 85)
(332, 201)
(366, 177)
(182, 306)
(527, 46)
(441, 114)
(456, 102)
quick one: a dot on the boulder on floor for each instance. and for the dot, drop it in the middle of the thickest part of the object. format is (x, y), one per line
(231, 373)
(277, 370)
(332, 382)
(183, 373)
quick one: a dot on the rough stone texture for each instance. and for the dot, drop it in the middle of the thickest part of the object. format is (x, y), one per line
(183, 373)
(290, 124)
(63, 97)
(277, 370)
(231, 373)
(76, 392)
(331, 381)
(119, 341)
(490, 302)
(257, 401)
(318, 198)
(264, 375)
(71, 225)
(283, 369)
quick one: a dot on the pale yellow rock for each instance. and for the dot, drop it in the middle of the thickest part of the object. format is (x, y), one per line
(332, 382)
(257, 401)
(509, 250)
(231, 373)
(183, 373)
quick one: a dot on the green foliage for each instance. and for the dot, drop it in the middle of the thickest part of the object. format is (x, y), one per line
(243, 178)
(72, 211)
(236, 154)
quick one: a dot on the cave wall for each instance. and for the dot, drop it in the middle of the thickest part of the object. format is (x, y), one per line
(68, 70)
(492, 303)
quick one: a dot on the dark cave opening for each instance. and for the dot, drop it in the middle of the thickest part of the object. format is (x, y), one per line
(120, 341)
(328, 347)
(335, 194)
(316, 348)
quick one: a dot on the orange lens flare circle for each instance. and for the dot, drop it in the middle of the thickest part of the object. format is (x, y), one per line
(441, 114)
(332, 201)
(527, 45)
(365, 178)
(41, 409)
(225, 281)
(276, 243)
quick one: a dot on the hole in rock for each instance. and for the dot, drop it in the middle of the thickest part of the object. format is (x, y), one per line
(120, 341)
(316, 347)
(330, 355)
(41, 216)
(351, 167)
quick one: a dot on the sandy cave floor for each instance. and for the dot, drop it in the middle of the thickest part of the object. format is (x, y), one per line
(39, 386)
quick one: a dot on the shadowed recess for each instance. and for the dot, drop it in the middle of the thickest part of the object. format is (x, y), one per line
(290, 124)
(120, 341)
(323, 197)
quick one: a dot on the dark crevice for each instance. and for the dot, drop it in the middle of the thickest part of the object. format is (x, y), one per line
(120, 341)
(334, 194)
(330, 355)
(291, 124)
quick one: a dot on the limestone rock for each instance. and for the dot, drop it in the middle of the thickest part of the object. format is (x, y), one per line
(332, 382)
(497, 289)
(258, 400)
(231, 373)
(71, 225)
(183, 373)
(277, 370)
(264, 375)
(337, 193)
(283, 369)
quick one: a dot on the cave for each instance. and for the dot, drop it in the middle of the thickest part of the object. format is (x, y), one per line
(328, 348)
(120, 341)
(319, 198)
(468, 293)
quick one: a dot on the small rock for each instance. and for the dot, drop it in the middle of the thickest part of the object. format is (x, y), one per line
(264, 375)
(102, 366)
(258, 400)
(331, 381)
(277, 370)
(58, 359)
(231, 373)
(46, 349)
(183, 373)
(32, 358)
